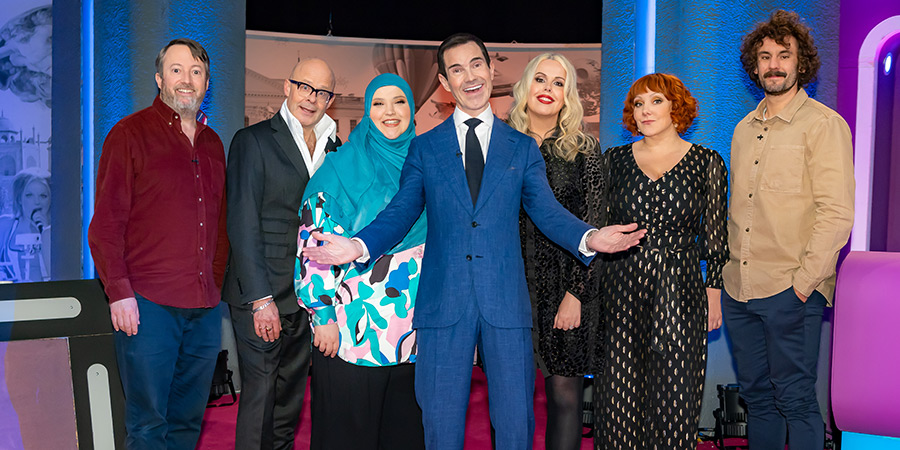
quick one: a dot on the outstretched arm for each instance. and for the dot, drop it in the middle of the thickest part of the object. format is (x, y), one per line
(335, 251)
(615, 238)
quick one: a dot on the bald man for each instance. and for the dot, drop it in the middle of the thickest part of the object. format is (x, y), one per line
(269, 164)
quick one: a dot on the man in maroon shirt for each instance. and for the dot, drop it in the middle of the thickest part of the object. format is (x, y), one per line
(159, 244)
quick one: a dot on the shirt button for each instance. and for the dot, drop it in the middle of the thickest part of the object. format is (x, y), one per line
(474, 224)
(201, 273)
(201, 224)
(766, 129)
(751, 195)
(468, 257)
(747, 230)
(745, 263)
(201, 249)
(200, 199)
(756, 162)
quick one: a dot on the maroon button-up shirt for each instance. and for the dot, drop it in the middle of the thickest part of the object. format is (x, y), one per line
(159, 220)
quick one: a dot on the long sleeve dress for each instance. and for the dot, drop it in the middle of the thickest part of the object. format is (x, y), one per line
(650, 390)
(578, 185)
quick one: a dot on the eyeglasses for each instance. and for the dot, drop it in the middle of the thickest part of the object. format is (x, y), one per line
(307, 90)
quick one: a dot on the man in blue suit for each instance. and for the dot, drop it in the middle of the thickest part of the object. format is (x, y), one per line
(473, 172)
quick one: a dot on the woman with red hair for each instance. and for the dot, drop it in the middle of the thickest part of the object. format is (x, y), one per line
(658, 307)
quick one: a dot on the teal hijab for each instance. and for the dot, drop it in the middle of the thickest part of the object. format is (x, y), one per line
(361, 178)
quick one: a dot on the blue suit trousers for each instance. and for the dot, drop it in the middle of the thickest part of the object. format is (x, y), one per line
(444, 374)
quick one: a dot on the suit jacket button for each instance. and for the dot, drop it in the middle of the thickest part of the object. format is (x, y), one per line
(468, 257)
(474, 224)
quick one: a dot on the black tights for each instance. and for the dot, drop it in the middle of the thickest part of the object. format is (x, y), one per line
(564, 412)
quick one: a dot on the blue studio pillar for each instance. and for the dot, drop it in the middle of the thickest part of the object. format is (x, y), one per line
(129, 34)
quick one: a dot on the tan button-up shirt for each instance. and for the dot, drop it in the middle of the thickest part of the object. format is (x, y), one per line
(792, 200)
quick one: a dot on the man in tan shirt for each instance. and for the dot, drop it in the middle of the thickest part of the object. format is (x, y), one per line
(791, 213)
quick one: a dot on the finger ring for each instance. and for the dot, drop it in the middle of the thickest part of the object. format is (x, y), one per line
(268, 328)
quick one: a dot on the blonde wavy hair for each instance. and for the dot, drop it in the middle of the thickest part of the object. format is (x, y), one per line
(571, 138)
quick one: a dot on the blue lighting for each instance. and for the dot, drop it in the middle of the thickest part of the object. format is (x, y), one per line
(888, 63)
(858, 441)
(645, 37)
(87, 133)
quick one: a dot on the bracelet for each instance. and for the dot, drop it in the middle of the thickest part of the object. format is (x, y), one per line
(264, 306)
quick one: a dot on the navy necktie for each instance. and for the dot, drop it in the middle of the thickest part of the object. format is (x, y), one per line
(474, 159)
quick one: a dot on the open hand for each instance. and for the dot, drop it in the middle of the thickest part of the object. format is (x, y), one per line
(125, 315)
(336, 251)
(616, 238)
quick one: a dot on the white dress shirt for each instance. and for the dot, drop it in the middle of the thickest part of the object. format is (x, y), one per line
(325, 129)
(482, 130)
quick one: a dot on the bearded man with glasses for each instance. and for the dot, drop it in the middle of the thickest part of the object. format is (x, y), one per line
(269, 164)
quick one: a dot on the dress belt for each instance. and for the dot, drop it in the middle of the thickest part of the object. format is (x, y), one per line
(666, 320)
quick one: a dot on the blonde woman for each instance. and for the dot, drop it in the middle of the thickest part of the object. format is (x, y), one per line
(563, 292)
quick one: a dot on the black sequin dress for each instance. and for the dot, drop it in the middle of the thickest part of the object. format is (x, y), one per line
(550, 271)
(651, 387)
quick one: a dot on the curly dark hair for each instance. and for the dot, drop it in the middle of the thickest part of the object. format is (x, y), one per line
(684, 105)
(780, 27)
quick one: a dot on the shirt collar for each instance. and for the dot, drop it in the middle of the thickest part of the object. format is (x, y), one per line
(486, 117)
(170, 115)
(787, 113)
(325, 128)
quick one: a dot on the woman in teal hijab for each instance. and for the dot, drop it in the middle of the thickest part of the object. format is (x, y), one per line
(365, 397)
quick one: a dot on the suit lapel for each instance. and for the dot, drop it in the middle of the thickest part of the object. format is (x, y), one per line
(282, 135)
(446, 145)
(499, 155)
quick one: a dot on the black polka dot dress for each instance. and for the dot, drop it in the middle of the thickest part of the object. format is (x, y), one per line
(580, 186)
(651, 387)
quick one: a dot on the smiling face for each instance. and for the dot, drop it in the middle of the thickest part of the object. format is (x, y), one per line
(469, 78)
(652, 113)
(776, 66)
(183, 81)
(309, 108)
(547, 95)
(390, 111)
(35, 197)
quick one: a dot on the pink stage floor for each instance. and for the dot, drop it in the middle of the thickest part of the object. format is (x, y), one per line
(219, 423)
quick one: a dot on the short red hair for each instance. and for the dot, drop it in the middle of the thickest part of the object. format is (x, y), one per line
(684, 105)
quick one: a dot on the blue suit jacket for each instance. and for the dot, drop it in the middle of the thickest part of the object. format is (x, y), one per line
(475, 245)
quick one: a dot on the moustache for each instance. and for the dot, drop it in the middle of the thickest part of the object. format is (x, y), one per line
(774, 73)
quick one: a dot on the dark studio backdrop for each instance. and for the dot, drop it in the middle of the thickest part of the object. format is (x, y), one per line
(493, 21)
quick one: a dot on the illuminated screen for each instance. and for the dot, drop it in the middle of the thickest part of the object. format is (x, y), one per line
(37, 407)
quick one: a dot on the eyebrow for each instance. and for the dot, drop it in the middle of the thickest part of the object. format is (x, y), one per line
(477, 58)
(392, 98)
(191, 66)
(548, 76)
(766, 52)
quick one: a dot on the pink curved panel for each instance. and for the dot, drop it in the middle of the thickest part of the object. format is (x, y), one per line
(865, 378)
